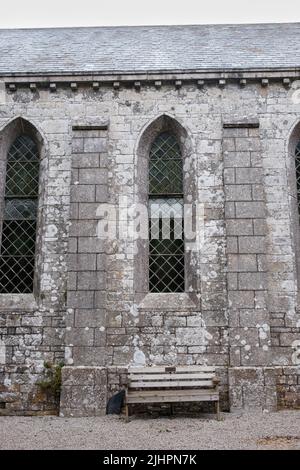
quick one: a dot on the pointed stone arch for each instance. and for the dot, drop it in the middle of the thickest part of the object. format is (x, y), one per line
(16, 126)
(293, 178)
(158, 125)
(11, 132)
(294, 137)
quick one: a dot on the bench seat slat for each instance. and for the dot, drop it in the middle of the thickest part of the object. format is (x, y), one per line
(173, 376)
(174, 392)
(167, 384)
(172, 398)
(179, 369)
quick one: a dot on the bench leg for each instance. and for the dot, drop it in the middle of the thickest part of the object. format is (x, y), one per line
(217, 405)
(126, 413)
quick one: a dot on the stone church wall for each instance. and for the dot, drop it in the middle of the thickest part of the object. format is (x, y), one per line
(91, 308)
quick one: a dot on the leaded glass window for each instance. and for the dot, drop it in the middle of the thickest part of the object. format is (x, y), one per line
(19, 217)
(166, 239)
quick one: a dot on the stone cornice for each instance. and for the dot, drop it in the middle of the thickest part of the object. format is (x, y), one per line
(157, 80)
(233, 74)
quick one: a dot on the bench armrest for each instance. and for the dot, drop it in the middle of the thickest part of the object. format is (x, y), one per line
(216, 381)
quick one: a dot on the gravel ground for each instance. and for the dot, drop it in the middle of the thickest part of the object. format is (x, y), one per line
(279, 430)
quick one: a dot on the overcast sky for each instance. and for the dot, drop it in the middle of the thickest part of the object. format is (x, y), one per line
(51, 13)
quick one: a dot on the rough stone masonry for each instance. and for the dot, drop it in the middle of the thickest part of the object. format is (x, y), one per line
(94, 99)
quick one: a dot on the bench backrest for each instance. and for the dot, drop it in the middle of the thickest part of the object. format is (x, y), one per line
(171, 377)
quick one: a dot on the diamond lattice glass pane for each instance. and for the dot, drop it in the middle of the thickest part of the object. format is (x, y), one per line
(22, 172)
(166, 273)
(19, 219)
(20, 209)
(24, 149)
(22, 178)
(18, 237)
(16, 274)
(165, 166)
(166, 245)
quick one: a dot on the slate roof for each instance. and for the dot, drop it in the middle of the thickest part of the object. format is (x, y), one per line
(141, 49)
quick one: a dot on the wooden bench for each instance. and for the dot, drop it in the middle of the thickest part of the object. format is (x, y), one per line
(172, 384)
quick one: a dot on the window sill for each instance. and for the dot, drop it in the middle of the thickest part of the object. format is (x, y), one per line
(18, 302)
(168, 302)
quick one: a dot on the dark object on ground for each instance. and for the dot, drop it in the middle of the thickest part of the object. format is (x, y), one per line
(115, 403)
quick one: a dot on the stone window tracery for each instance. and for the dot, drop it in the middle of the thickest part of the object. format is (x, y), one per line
(166, 228)
(19, 219)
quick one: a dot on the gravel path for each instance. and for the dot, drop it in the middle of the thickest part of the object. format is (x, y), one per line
(279, 430)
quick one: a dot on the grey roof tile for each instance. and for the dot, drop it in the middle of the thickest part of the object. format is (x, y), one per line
(149, 48)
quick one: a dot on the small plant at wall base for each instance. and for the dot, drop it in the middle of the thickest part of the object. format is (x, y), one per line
(52, 382)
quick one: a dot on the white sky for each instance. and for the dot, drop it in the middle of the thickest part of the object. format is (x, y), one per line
(51, 13)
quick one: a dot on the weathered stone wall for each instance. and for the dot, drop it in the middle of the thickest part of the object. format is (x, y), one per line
(240, 311)
(245, 214)
(288, 387)
(32, 325)
(86, 314)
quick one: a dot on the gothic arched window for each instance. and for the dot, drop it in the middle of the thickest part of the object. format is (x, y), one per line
(166, 230)
(18, 234)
